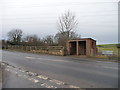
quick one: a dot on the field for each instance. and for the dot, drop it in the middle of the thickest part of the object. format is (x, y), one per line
(109, 47)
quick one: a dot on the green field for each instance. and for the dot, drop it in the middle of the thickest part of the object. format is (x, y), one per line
(109, 47)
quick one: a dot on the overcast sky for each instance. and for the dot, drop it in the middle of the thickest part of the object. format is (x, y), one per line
(98, 19)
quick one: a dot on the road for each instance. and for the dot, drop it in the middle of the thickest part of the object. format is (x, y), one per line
(75, 71)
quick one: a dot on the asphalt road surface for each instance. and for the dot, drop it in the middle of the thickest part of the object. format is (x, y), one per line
(75, 71)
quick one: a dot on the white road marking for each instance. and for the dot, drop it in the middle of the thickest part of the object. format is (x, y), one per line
(53, 60)
(46, 59)
(98, 61)
(60, 60)
(116, 68)
(30, 57)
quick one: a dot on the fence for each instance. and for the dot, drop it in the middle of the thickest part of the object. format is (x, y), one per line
(54, 50)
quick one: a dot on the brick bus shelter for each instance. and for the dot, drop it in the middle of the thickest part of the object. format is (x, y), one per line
(84, 46)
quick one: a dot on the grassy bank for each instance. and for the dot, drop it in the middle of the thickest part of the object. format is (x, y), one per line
(109, 47)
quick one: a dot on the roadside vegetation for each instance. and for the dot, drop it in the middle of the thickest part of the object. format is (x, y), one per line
(109, 47)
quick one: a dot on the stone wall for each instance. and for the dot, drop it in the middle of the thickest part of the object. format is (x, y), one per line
(54, 50)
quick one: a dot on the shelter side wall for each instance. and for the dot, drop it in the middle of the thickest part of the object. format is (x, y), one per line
(95, 48)
(68, 47)
(88, 47)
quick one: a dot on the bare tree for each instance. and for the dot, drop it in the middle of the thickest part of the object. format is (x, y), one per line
(61, 38)
(32, 40)
(67, 24)
(48, 40)
(75, 35)
(15, 36)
